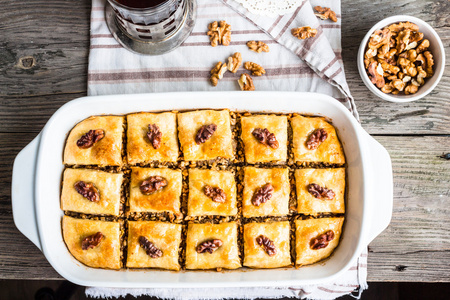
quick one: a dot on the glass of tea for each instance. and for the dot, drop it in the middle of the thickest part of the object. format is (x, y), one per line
(150, 27)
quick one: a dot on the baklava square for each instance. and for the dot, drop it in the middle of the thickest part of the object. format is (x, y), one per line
(152, 137)
(328, 151)
(211, 193)
(153, 244)
(94, 243)
(155, 190)
(266, 192)
(320, 190)
(211, 246)
(96, 141)
(316, 239)
(91, 191)
(255, 133)
(267, 245)
(216, 140)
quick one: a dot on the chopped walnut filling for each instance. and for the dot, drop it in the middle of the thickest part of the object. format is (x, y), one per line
(256, 69)
(152, 185)
(322, 240)
(91, 241)
(154, 135)
(266, 244)
(304, 32)
(215, 193)
(246, 83)
(234, 62)
(316, 138)
(325, 13)
(219, 33)
(87, 190)
(258, 46)
(263, 194)
(90, 138)
(320, 192)
(149, 247)
(217, 73)
(265, 137)
(204, 133)
(209, 246)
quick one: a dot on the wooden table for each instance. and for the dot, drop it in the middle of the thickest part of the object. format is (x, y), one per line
(415, 247)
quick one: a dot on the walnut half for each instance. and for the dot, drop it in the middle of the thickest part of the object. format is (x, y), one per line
(267, 244)
(258, 46)
(325, 13)
(92, 241)
(234, 62)
(152, 185)
(209, 246)
(90, 138)
(322, 240)
(304, 32)
(149, 247)
(246, 83)
(217, 73)
(256, 69)
(219, 33)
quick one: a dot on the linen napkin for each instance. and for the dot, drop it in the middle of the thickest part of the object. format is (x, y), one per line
(311, 65)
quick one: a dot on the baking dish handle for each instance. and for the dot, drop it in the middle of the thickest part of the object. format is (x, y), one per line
(22, 191)
(382, 195)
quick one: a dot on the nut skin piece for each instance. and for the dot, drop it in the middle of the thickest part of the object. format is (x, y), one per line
(204, 133)
(219, 33)
(263, 194)
(216, 194)
(325, 13)
(246, 82)
(256, 69)
(152, 185)
(322, 240)
(375, 77)
(304, 32)
(234, 62)
(316, 138)
(92, 241)
(90, 138)
(266, 244)
(217, 73)
(264, 136)
(154, 135)
(87, 190)
(209, 246)
(320, 192)
(258, 46)
(149, 247)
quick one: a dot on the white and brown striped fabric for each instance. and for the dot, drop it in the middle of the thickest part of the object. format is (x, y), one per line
(311, 65)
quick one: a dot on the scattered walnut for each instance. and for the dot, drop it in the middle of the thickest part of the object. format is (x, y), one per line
(204, 133)
(258, 46)
(304, 32)
(322, 240)
(154, 135)
(92, 241)
(209, 246)
(263, 194)
(215, 193)
(217, 73)
(219, 33)
(87, 190)
(325, 13)
(265, 137)
(320, 192)
(149, 247)
(316, 138)
(266, 244)
(152, 185)
(246, 82)
(90, 138)
(234, 62)
(256, 69)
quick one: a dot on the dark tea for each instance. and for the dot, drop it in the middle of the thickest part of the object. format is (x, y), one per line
(141, 3)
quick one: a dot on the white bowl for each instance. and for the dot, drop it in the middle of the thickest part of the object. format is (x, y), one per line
(436, 48)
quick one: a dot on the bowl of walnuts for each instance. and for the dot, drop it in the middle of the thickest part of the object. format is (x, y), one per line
(401, 59)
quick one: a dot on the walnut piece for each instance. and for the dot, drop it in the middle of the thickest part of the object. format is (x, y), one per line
(430, 63)
(320, 192)
(90, 138)
(263, 194)
(316, 138)
(91, 241)
(379, 38)
(87, 190)
(256, 69)
(154, 135)
(152, 184)
(149, 247)
(266, 244)
(258, 46)
(246, 82)
(234, 62)
(217, 73)
(374, 74)
(304, 32)
(209, 246)
(204, 133)
(325, 13)
(219, 33)
(264, 136)
(397, 27)
(215, 193)
(322, 240)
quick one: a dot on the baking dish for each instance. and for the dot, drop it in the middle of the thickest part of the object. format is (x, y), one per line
(37, 213)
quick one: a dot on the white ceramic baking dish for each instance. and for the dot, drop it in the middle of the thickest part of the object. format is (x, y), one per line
(36, 205)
